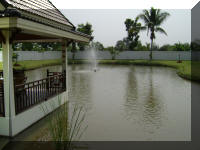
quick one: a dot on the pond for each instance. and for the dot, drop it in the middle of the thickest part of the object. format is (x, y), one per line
(130, 103)
(126, 103)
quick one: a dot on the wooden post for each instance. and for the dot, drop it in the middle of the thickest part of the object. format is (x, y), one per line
(8, 80)
(47, 72)
(47, 84)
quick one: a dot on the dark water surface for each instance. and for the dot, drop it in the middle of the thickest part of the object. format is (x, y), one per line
(131, 103)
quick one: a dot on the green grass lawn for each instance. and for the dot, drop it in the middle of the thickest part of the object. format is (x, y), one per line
(33, 64)
(186, 69)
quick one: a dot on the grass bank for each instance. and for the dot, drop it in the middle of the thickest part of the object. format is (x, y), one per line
(187, 69)
(33, 64)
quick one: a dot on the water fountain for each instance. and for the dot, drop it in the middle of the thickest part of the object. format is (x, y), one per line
(90, 55)
(93, 58)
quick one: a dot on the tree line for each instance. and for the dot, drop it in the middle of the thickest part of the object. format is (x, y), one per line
(153, 19)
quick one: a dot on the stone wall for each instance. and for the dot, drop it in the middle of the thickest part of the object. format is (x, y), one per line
(157, 55)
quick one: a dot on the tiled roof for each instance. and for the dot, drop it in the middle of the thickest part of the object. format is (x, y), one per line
(42, 8)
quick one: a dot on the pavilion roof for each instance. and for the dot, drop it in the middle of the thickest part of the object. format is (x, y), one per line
(39, 11)
(42, 8)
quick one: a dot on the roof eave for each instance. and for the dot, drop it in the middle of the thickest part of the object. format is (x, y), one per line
(34, 28)
(5, 3)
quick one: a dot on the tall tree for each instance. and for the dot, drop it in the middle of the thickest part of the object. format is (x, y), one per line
(153, 20)
(120, 45)
(27, 46)
(182, 46)
(133, 27)
(97, 45)
(195, 45)
(87, 29)
(50, 46)
(112, 51)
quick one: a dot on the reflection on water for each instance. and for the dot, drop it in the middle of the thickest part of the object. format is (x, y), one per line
(151, 107)
(80, 77)
(132, 103)
(41, 73)
(145, 103)
(131, 98)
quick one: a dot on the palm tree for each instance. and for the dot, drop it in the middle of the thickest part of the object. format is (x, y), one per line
(153, 19)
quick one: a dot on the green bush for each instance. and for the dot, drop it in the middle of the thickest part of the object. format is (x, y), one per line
(15, 57)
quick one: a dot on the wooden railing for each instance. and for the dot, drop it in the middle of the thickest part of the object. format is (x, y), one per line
(51, 74)
(2, 107)
(32, 93)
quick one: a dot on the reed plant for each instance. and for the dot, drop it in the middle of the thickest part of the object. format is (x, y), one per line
(64, 128)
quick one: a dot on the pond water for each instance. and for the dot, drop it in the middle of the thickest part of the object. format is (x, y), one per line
(126, 103)
(131, 103)
(41, 73)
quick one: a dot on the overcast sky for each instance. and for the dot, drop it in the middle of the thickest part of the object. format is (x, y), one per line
(108, 24)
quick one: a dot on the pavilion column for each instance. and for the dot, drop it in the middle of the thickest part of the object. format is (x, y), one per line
(8, 80)
(64, 49)
(64, 61)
